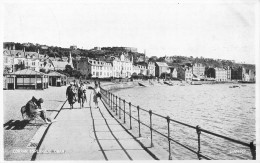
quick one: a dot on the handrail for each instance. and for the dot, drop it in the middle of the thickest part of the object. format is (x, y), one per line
(112, 102)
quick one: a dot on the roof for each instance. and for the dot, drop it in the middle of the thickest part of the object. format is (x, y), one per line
(161, 64)
(28, 72)
(59, 64)
(55, 73)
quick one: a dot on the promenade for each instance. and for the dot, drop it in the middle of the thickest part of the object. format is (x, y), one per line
(89, 134)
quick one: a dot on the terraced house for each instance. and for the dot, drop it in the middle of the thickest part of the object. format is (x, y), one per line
(198, 69)
(122, 66)
(97, 69)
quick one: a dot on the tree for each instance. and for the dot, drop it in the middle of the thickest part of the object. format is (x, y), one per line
(68, 70)
(90, 75)
(7, 69)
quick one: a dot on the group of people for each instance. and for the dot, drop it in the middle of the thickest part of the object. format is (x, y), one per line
(77, 92)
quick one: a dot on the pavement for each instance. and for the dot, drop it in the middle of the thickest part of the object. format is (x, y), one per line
(89, 134)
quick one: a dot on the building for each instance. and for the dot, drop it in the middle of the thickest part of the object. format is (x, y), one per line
(243, 73)
(57, 79)
(73, 47)
(9, 45)
(198, 70)
(8, 61)
(59, 65)
(130, 49)
(46, 65)
(220, 74)
(122, 66)
(142, 69)
(136, 70)
(94, 68)
(44, 47)
(97, 48)
(161, 67)
(150, 69)
(236, 73)
(173, 71)
(185, 73)
(228, 73)
(70, 61)
(26, 79)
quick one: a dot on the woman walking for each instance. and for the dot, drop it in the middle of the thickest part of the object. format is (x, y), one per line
(96, 94)
(71, 94)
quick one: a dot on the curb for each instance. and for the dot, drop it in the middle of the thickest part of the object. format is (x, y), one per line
(38, 138)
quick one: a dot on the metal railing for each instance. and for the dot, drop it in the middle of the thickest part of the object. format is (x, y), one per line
(114, 102)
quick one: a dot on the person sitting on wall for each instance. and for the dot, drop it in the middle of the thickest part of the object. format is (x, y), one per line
(34, 107)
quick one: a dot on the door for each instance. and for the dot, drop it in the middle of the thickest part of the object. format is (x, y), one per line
(53, 81)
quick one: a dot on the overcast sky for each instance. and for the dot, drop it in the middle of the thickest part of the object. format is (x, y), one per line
(219, 29)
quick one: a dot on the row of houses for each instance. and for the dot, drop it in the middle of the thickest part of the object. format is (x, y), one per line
(122, 66)
(197, 71)
(118, 67)
(14, 60)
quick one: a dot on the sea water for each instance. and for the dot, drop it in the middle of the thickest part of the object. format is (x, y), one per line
(217, 108)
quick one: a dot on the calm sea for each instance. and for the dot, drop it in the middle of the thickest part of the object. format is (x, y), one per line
(217, 108)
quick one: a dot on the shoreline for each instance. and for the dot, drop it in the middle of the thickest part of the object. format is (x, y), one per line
(112, 86)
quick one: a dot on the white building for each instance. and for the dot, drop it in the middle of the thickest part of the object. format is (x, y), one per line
(221, 74)
(97, 69)
(122, 67)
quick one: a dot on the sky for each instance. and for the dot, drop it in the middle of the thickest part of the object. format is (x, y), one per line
(216, 29)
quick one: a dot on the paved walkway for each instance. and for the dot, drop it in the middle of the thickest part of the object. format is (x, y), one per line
(89, 134)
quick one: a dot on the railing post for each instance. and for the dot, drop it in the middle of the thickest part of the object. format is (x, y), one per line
(109, 99)
(252, 149)
(130, 115)
(139, 127)
(113, 102)
(169, 140)
(116, 105)
(151, 129)
(124, 111)
(198, 132)
(119, 101)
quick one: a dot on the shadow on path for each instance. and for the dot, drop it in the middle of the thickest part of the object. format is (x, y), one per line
(16, 124)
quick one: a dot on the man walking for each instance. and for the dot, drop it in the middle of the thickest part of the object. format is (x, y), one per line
(82, 95)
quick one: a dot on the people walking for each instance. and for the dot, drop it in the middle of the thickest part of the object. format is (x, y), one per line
(82, 95)
(71, 94)
(96, 94)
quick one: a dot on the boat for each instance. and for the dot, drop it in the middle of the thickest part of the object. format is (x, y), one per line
(196, 83)
(142, 84)
(234, 86)
(247, 82)
(168, 83)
